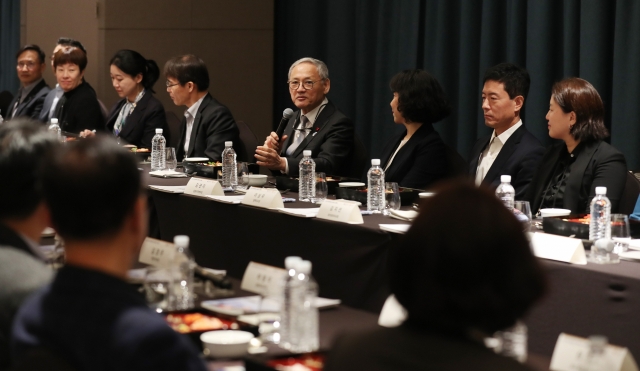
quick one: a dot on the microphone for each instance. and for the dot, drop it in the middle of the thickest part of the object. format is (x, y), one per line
(286, 115)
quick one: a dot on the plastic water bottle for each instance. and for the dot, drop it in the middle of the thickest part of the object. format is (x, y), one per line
(505, 192)
(54, 128)
(595, 359)
(286, 308)
(158, 153)
(514, 342)
(600, 225)
(229, 166)
(183, 266)
(307, 178)
(375, 185)
(303, 334)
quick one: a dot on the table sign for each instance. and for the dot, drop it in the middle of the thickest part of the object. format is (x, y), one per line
(564, 249)
(262, 279)
(266, 198)
(157, 253)
(203, 187)
(571, 350)
(340, 211)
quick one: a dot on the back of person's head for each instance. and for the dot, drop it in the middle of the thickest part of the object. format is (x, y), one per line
(72, 55)
(578, 95)
(133, 64)
(24, 146)
(67, 41)
(515, 79)
(420, 96)
(188, 68)
(33, 47)
(91, 186)
(465, 263)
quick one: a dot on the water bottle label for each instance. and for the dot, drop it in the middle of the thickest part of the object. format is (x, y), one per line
(203, 187)
(157, 253)
(340, 211)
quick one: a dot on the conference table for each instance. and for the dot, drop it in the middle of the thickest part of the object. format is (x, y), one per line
(349, 263)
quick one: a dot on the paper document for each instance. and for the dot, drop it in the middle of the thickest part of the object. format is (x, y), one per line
(395, 228)
(236, 200)
(168, 189)
(311, 212)
(167, 174)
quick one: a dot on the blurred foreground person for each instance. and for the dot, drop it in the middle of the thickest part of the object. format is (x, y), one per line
(89, 316)
(457, 288)
(24, 144)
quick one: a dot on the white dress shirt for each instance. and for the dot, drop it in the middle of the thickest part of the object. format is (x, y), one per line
(488, 156)
(190, 114)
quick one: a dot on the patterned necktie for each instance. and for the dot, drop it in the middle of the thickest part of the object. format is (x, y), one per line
(299, 136)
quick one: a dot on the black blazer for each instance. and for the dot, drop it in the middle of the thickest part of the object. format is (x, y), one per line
(213, 125)
(420, 162)
(519, 158)
(48, 102)
(141, 125)
(81, 110)
(32, 103)
(598, 165)
(330, 141)
(405, 348)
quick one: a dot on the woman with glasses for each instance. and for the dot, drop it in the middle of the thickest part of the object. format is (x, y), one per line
(135, 118)
(416, 157)
(571, 170)
(78, 108)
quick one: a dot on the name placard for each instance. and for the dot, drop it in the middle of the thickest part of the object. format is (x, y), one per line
(157, 253)
(203, 187)
(266, 198)
(340, 211)
(262, 279)
(564, 249)
(571, 351)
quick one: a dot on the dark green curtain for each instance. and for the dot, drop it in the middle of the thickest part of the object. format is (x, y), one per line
(9, 44)
(365, 42)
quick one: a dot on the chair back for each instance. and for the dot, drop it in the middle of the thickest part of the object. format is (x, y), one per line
(629, 195)
(174, 129)
(359, 158)
(248, 143)
(5, 100)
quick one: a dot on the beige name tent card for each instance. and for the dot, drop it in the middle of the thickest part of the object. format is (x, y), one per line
(570, 353)
(266, 198)
(564, 249)
(340, 211)
(157, 253)
(203, 187)
(262, 279)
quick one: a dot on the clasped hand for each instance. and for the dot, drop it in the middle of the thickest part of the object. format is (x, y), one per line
(268, 154)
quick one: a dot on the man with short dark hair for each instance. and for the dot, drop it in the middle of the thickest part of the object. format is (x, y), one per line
(207, 123)
(511, 149)
(318, 126)
(24, 145)
(89, 316)
(33, 90)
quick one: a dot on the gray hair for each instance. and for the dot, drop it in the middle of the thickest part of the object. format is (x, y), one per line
(323, 71)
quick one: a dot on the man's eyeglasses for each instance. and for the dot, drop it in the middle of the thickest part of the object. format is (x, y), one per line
(168, 84)
(29, 65)
(295, 84)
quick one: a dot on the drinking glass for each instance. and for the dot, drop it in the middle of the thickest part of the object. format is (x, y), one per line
(321, 188)
(392, 197)
(157, 288)
(243, 172)
(620, 233)
(171, 160)
(522, 211)
(602, 252)
(269, 317)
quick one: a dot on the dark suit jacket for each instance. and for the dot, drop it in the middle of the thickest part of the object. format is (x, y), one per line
(141, 125)
(420, 162)
(213, 125)
(330, 141)
(81, 110)
(95, 321)
(404, 348)
(48, 101)
(598, 165)
(519, 158)
(32, 104)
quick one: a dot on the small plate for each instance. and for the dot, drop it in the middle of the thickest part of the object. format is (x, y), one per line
(630, 255)
(196, 159)
(351, 184)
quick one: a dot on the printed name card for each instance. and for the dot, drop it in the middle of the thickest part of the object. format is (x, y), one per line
(157, 253)
(564, 249)
(340, 211)
(266, 198)
(571, 351)
(262, 279)
(203, 187)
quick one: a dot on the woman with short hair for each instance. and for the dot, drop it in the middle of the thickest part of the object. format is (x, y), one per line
(416, 157)
(78, 107)
(571, 170)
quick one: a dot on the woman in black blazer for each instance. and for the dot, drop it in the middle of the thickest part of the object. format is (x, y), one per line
(571, 170)
(135, 118)
(416, 158)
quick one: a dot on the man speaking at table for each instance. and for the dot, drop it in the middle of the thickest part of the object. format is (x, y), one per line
(511, 149)
(318, 126)
(207, 123)
(89, 316)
